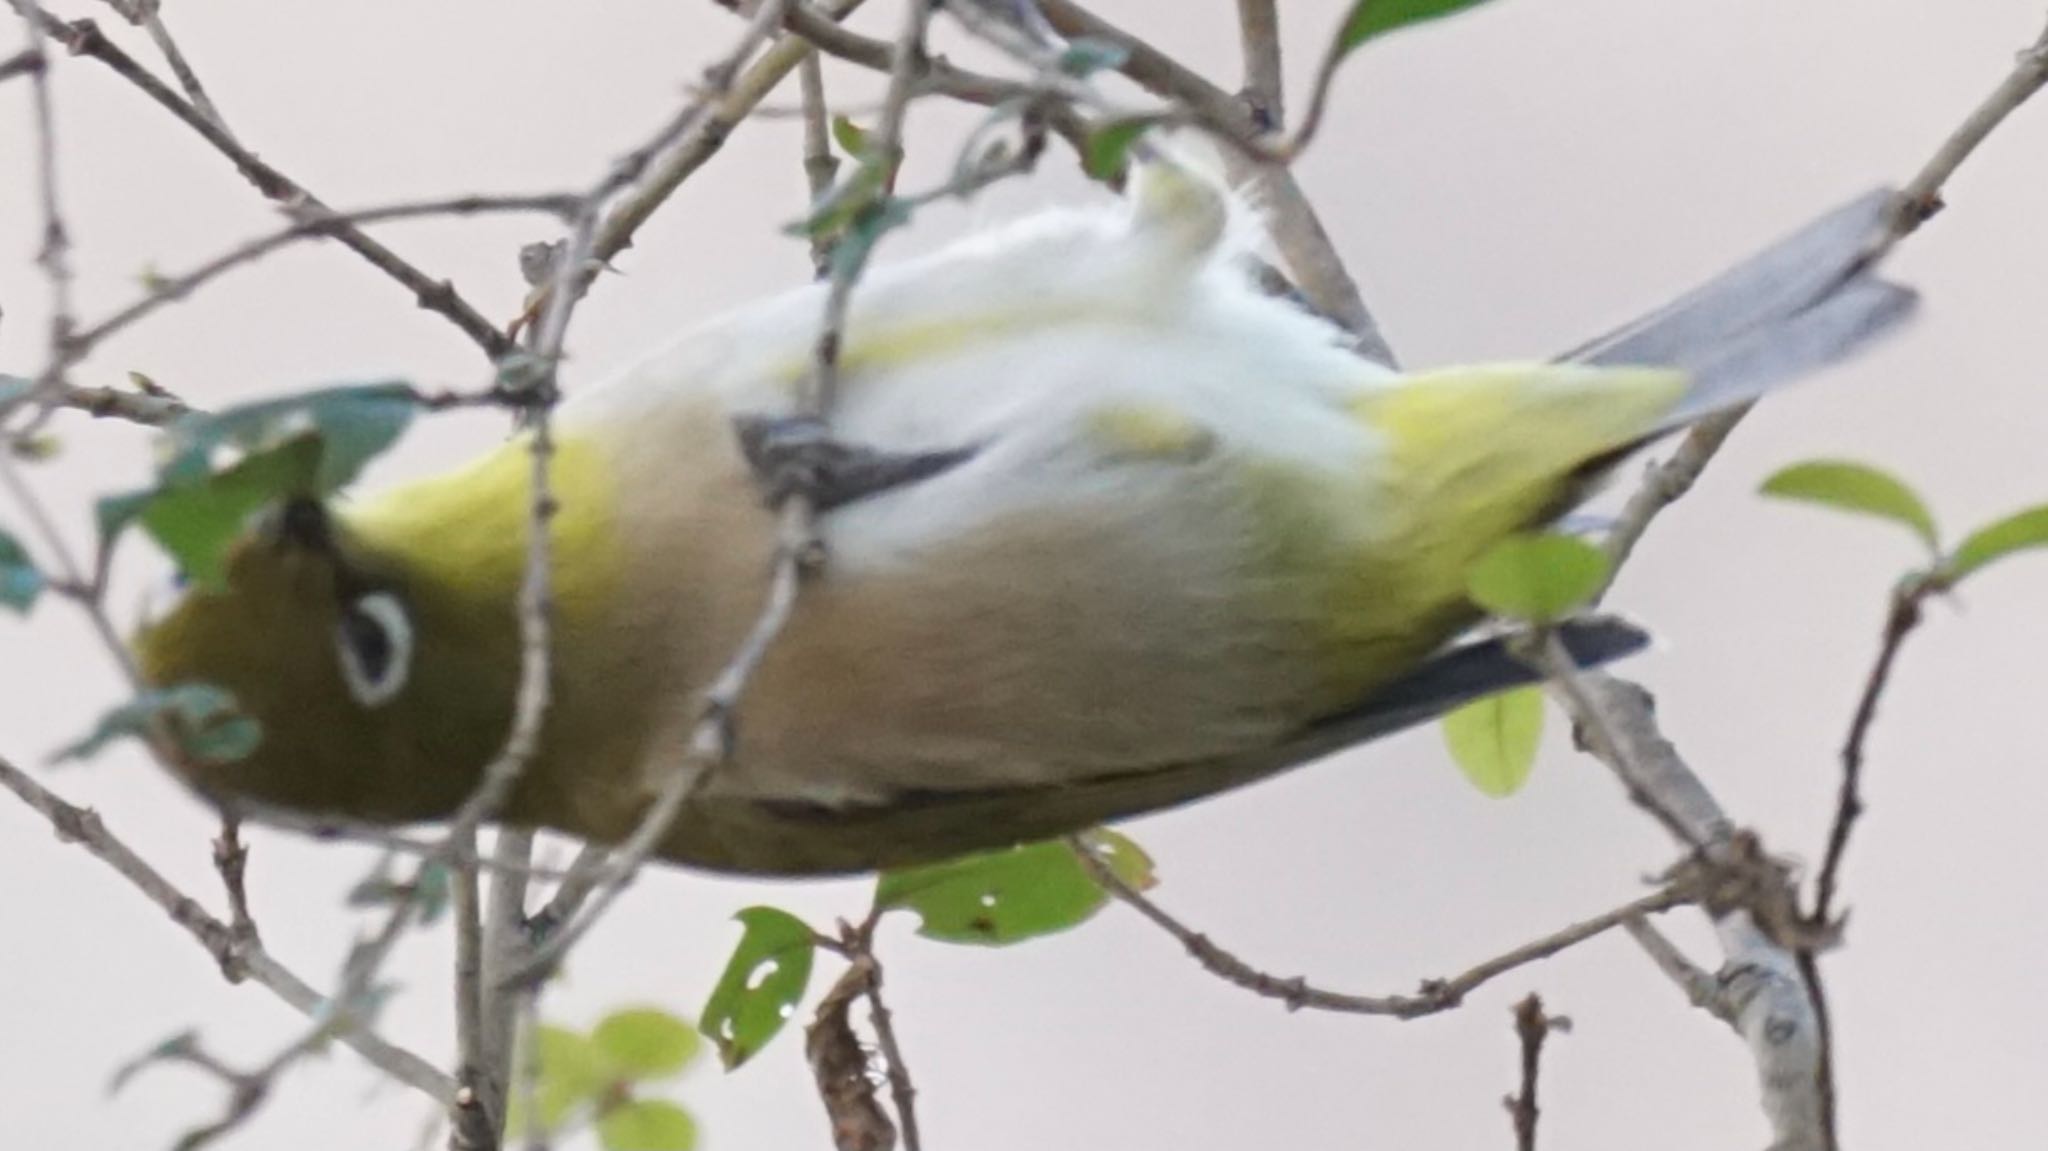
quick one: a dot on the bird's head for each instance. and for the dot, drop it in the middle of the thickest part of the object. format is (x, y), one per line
(380, 687)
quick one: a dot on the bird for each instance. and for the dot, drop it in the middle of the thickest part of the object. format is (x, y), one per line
(1109, 527)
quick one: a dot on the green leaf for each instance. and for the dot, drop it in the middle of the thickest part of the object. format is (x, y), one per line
(851, 137)
(1541, 577)
(354, 424)
(20, 582)
(1853, 487)
(1107, 146)
(647, 1125)
(1002, 897)
(2021, 531)
(197, 522)
(215, 471)
(645, 1042)
(201, 717)
(1494, 739)
(572, 1073)
(1371, 19)
(762, 983)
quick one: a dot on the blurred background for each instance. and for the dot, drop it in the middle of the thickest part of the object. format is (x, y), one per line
(1503, 184)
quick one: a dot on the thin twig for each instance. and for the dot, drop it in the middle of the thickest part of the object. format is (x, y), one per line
(505, 944)
(1699, 984)
(84, 38)
(1901, 619)
(798, 556)
(54, 253)
(1532, 1027)
(1917, 202)
(706, 136)
(473, 1126)
(230, 949)
(1922, 196)
(1432, 997)
(309, 223)
(1264, 93)
(147, 14)
(819, 165)
(26, 62)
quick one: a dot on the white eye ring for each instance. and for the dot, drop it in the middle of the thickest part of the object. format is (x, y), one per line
(374, 640)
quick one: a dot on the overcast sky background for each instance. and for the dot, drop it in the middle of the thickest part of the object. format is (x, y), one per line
(1503, 184)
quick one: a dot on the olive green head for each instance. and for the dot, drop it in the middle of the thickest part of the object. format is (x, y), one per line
(381, 689)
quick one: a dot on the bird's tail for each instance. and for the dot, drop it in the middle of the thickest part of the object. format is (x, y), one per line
(1807, 301)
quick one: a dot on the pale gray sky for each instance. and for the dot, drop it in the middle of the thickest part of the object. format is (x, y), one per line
(1503, 184)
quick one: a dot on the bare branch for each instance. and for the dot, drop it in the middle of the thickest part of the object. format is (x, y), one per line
(1433, 996)
(54, 254)
(1780, 1018)
(84, 38)
(1900, 621)
(707, 136)
(1258, 26)
(1921, 198)
(1532, 1027)
(232, 950)
(1917, 202)
(309, 223)
(147, 13)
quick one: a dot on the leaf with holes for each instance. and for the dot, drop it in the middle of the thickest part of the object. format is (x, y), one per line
(2022, 531)
(1494, 740)
(20, 581)
(1107, 146)
(202, 718)
(645, 1042)
(646, 1125)
(762, 983)
(1371, 19)
(1002, 897)
(1541, 577)
(1852, 487)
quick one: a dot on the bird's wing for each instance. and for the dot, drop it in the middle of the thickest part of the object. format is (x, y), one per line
(796, 837)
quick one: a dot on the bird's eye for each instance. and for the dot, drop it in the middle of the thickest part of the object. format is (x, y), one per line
(374, 640)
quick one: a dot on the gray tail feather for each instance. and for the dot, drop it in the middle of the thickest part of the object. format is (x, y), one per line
(1807, 301)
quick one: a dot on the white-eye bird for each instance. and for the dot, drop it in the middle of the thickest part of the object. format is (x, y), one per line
(1115, 530)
